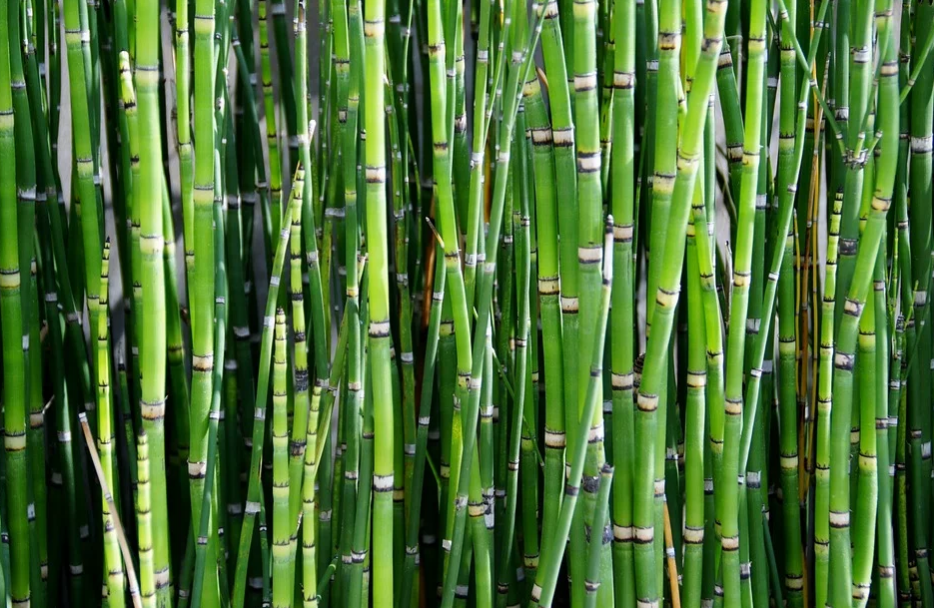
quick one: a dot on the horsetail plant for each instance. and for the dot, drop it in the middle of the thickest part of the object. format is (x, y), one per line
(481, 379)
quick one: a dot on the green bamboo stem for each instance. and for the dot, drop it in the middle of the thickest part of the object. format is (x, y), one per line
(695, 419)
(360, 547)
(123, 211)
(788, 380)
(286, 76)
(349, 48)
(692, 449)
(134, 214)
(113, 561)
(733, 120)
(404, 306)
(14, 364)
(209, 527)
(183, 133)
(592, 584)
(25, 171)
(590, 212)
(730, 515)
(44, 177)
(563, 138)
(282, 586)
(78, 78)
(378, 283)
(455, 279)
(662, 184)
(175, 358)
(473, 221)
(713, 452)
(152, 243)
(275, 165)
(253, 505)
(546, 226)
(868, 490)
(886, 590)
(622, 312)
(822, 493)
(906, 294)
(311, 443)
(203, 284)
(147, 578)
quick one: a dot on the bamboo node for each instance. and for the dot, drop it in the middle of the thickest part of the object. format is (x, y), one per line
(14, 441)
(663, 183)
(202, 363)
(563, 137)
(589, 255)
(725, 60)
(379, 329)
(624, 80)
(152, 410)
(741, 278)
(693, 535)
(383, 483)
(541, 135)
(753, 480)
(585, 82)
(668, 41)
(839, 519)
(696, 379)
(647, 403)
(666, 299)
(922, 145)
(881, 204)
(9, 278)
(595, 434)
(623, 534)
(733, 407)
(644, 535)
(861, 54)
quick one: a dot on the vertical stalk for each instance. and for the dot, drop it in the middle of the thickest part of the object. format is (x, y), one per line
(378, 284)
(152, 243)
(14, 364)
(622, 314)
(113, 561)
(254, 509)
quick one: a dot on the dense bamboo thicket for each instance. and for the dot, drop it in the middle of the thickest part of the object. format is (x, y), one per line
(411, 303)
